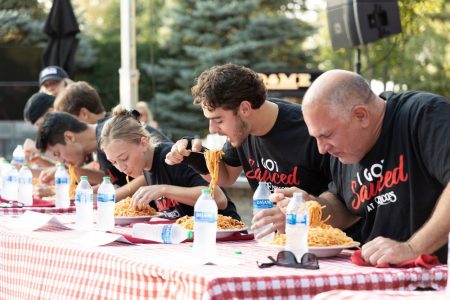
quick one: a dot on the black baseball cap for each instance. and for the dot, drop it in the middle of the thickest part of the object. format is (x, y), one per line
(37, 106)
(52, 73)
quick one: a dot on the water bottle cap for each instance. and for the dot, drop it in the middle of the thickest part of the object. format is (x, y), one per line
(262, 183)
(25, 165)
(206, 191)
(84, 178)
(107, 178)
(61, 164)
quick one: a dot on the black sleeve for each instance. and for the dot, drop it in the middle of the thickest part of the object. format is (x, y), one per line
(230, 156)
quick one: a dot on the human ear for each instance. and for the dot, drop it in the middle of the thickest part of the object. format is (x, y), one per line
(361, 114)
(245, 108)
(69, 136)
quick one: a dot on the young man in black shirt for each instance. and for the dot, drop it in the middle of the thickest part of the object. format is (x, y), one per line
(268, 139)
(390, 165)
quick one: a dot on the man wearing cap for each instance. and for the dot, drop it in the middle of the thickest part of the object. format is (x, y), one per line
(53, 80)
(36, 107)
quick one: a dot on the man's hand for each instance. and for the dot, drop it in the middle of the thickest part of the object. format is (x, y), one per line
(382, 250)
(180, 150)
(272, 216)
(42, 190)
(145, 194)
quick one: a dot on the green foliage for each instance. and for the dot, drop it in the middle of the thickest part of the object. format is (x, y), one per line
(418, 57)
(254, 33)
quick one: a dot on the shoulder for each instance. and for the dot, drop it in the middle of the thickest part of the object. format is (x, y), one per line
(415, 101)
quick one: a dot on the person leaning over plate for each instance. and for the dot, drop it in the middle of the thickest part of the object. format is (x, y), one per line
(172, 190)
(390, 165)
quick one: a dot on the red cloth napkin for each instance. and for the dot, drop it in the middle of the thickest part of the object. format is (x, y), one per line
(424, 261)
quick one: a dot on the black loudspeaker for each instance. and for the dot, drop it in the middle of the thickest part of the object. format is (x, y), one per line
(356, 22)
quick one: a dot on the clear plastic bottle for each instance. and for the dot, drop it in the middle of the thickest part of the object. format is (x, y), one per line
(106, 200)
(19, 155)
(62, 187)
(163, 233)
(3, 165)
(25, 178)
(84, 205)
(297, 226)
(10, 183)
(205, 228)
(261, 202)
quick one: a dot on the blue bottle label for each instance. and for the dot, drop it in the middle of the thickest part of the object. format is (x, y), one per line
(61, 180)
(102, 197)
(166, 234)
(205, 217)
(25, 180)
(293, 219)
(262, 203)
(11, 178)
(83, 197)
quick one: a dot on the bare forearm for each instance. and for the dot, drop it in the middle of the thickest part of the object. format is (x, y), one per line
(128, 190)
(434, 233)
(340, 215)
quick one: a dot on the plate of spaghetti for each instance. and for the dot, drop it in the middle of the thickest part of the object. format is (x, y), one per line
(323, 240)
(125, 214)
(226, 225)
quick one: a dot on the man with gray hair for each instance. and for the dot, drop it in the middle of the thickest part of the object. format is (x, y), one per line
(390, 165)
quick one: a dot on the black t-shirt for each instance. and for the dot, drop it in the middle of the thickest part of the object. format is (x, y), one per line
(286, 156)
(178, 175)
(117, 177)
(395, 187)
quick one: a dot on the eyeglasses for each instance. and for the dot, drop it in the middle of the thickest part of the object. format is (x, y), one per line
(287, 259)
(11, 204)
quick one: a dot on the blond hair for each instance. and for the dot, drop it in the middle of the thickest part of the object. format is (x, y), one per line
(124, 125)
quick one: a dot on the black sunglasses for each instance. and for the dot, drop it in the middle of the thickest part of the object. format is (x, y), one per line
(11, 204)
(287, 259)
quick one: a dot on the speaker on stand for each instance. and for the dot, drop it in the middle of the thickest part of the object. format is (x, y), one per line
(352, 23)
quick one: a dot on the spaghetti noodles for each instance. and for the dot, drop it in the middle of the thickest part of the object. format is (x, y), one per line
(213, 158)
(223, 223)
(124, 208)
(73, 181)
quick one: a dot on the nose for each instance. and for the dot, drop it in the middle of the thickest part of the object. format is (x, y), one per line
(323, 146)
(212, 127)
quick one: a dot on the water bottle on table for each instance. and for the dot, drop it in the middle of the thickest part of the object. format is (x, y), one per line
(62, 187)
(25, 178)
(84, 205)
(10, 183)
(205, 228)
(297, 226)
(106, 200)
(19, 155)
(162, 233)
(261, 202)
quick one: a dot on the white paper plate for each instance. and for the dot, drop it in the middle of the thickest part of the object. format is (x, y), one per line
(129, 220)
(225, 232)
(329, 251)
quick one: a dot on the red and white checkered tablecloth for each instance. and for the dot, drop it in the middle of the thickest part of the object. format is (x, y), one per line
(44, 210)
(376, 295)
(44, 265)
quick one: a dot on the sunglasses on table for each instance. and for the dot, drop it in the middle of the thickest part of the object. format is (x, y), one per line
(287, 259)
(11, 204)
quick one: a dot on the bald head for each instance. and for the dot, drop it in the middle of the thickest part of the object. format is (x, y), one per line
(338, 88)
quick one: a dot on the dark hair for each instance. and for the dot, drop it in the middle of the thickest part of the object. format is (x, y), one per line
(76, 96)
(53, 127)
(38, 104)
(226, 86)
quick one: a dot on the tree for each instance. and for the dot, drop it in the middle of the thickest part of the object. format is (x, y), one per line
(255, 33)
(416, 59)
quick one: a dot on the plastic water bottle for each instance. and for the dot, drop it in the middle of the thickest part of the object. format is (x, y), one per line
(62, 187)
(84, 205)
(19, 155)
(10, 183)
(3, 165)
(205, 228)
(106, 200)
(25, 194)
(297, 226)
(261, 202)
(162, 233)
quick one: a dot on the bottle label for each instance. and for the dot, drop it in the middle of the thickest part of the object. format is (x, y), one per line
(262, 203)
(84, 197)
(205, 217)
(19, 159)
(25, 180)
(61, 180)
(102, 197)
(166, 234)
(10, 178)
(293, 219)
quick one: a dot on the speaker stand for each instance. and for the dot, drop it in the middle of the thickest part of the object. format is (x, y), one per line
(357, 66)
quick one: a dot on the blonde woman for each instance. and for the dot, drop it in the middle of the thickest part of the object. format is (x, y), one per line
(172, 190)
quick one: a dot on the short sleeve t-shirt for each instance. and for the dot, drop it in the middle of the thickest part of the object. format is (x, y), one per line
(178, 175)
(286, 156)
(395, 187)
(117, 178)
